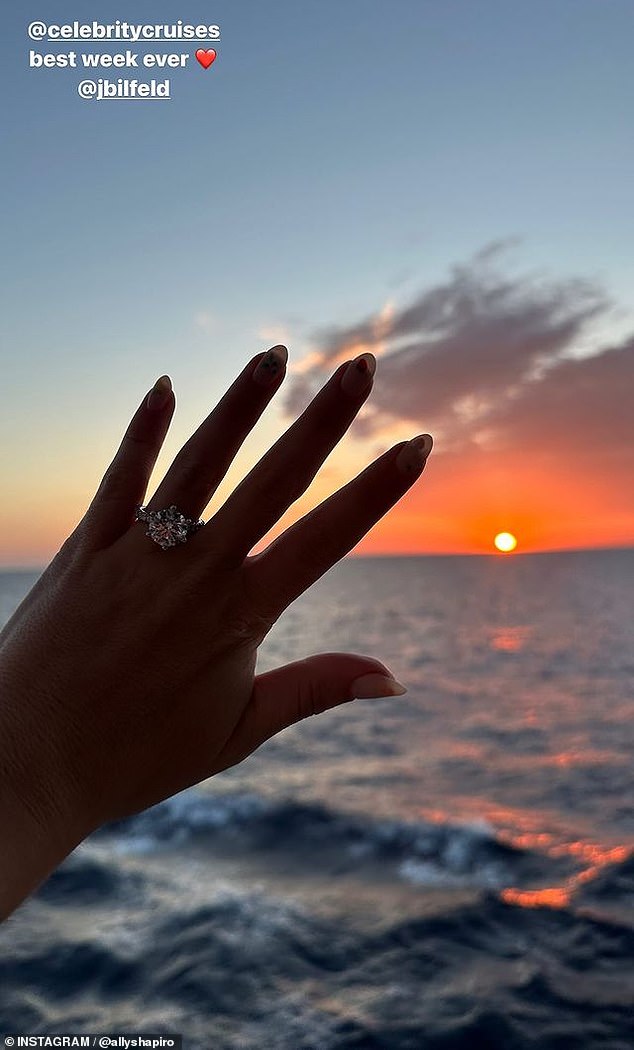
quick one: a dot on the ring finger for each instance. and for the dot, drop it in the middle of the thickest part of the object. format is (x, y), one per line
(205, 458)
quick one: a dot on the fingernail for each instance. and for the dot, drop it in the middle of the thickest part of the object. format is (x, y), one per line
(358, 375)
(159, 394)
(376, 685)
(271, 365)
(413, 456)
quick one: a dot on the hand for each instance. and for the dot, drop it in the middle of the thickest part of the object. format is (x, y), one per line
(127, 673)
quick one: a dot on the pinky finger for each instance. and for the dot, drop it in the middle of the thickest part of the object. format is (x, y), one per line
(125, 482)
(306, 550)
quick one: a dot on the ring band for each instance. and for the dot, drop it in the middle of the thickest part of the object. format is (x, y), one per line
(167, 527)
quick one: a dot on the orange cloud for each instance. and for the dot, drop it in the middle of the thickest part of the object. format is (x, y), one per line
(530, 437)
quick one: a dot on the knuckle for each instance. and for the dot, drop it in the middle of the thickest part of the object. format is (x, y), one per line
(136, 439)
(192, 477)
(251, 626)
(244, 621)
(308, 698)
(115, 484)
(278, 488)
(188, 470)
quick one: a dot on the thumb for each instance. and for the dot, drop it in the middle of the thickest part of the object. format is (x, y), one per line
(306, 687)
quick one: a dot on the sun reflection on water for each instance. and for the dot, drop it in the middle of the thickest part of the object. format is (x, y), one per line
(593, 856)
(507, 639)
(560, 896)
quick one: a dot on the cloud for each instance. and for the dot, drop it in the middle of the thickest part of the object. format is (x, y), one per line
(205, 321)
(275, 332)
(578, 405)
(486, 359)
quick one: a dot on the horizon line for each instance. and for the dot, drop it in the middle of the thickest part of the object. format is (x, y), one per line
(413, 554)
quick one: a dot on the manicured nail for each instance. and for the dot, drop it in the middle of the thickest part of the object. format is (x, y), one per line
(271, 365)
(371, 686)
(413, 456)
(358, 375)
(160, 393)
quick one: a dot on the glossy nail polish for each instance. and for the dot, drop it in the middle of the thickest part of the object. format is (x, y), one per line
(269, 368)
(159, 394)
(413, 456)
(375, 686)
(358, 375)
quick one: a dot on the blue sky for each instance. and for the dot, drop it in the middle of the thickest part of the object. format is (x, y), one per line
(336, 157)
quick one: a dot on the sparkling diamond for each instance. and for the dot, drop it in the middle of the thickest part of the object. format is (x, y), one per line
(167, 527)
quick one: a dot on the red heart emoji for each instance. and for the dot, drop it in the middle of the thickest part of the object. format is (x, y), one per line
(205, 57)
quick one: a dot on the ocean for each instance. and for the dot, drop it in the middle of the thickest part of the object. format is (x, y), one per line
(450, 869)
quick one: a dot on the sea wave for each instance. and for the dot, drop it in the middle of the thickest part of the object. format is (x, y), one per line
(249, 970)
(423, 853)
(139, 931)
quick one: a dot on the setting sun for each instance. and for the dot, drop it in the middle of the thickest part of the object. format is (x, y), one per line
(505, 542)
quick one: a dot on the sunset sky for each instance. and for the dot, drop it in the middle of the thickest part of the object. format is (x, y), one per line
(445, 184)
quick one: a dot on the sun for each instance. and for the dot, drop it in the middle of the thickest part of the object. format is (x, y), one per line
(505, 542)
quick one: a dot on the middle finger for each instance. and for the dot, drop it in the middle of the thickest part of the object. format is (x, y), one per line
(288, 468)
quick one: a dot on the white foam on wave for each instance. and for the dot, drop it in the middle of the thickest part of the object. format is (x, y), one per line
(425, 873)
(424, 854)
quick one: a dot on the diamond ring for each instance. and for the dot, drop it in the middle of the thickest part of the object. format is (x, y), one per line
(167, 527)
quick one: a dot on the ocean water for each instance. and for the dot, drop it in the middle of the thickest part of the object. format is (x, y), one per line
(449, 869)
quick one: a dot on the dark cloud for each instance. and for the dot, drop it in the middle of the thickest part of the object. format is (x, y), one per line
(489, 358)
(578, 405)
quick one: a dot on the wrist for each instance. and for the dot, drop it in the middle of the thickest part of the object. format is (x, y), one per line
(29, 850)
(37, 826)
